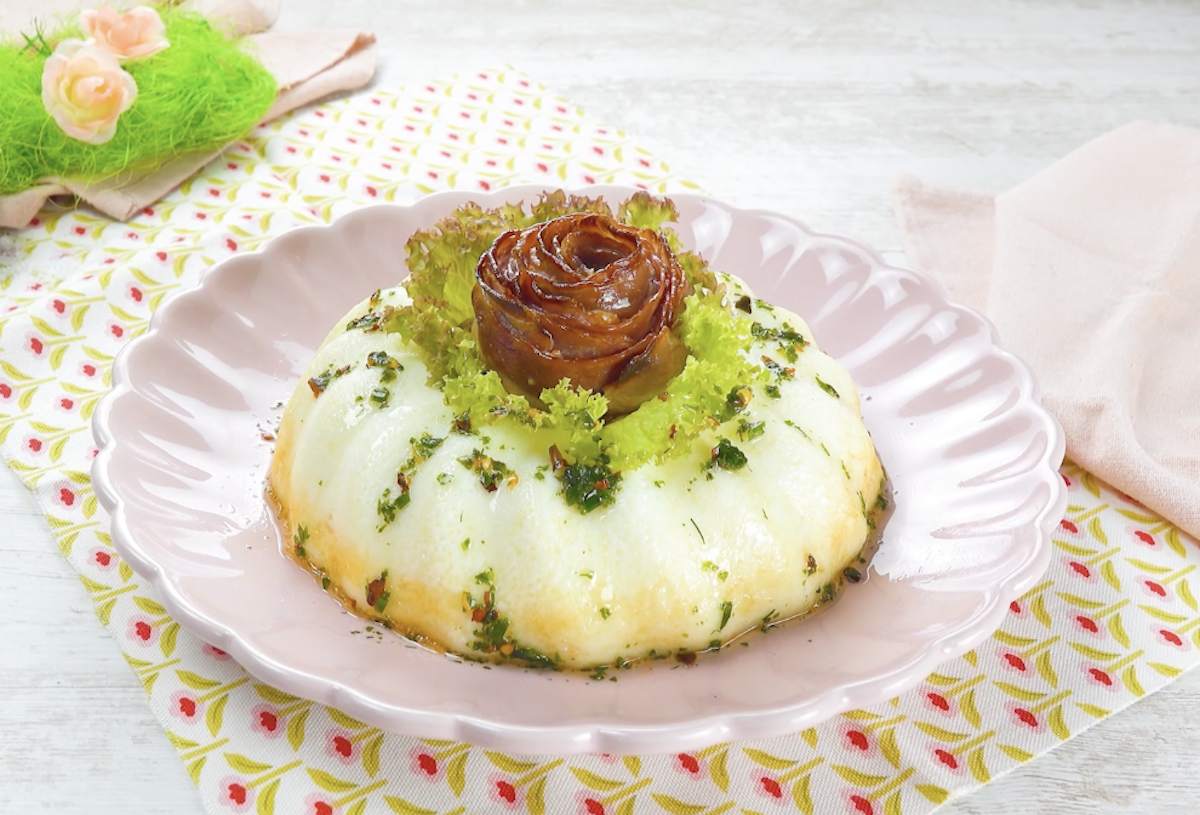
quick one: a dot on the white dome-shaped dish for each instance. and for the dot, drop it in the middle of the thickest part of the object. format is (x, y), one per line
(972, 456)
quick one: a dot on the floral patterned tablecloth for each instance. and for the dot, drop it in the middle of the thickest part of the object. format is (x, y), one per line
(1115, 618)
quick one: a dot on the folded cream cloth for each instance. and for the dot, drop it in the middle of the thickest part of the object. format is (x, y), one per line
(1091, 272)
(306, 67)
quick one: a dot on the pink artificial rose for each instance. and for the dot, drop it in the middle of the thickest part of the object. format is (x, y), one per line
(136, 33)
(86, 90)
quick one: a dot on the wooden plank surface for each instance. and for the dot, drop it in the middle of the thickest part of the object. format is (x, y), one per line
(804, 107)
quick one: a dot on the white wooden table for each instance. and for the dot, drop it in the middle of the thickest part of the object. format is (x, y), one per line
(804, 107)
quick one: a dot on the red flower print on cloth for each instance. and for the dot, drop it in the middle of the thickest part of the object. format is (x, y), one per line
(63, 494)
(1025, 717)
(266, 720)
(945, 760)
(589, 803)
(236, 793)
(502, 790)
(317, 803)
(1143, 538)
(423, 764)
(856, 740)
(1155, 590)
(857, 803)
(1089, 627)
(933, 701)
(1168, 637)
(216, 653)
(103, 559)
(689, 765)
(339, 745)
(141, 630)
(64, 404)
(766, 785)
(1078, 571)
(185, 706)
(1100, 678)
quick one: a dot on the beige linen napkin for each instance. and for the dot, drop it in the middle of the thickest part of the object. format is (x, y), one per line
(1091, 272)
(306, 67)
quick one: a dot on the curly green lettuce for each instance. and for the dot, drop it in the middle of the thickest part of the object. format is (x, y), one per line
(442, 263)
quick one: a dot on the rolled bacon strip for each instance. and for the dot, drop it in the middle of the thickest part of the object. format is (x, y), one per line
(586, 298)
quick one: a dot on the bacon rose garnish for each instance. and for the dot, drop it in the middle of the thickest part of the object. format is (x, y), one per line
(584, 298)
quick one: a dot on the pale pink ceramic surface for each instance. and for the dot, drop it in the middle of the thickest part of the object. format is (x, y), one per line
(972, 456)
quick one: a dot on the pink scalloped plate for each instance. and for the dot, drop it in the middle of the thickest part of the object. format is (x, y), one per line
(972, 457)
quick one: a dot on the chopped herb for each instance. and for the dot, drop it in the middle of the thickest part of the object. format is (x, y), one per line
(375, 298)
(709, 566)
(598, 672)
(367, 322)
(492, 634)
(721, 575)
(380, 396)
(387, 507)
(589, 486)
(748, 431)
(738, 398)
(320, 382)
(726, 613)
(381, 604)
(714, 645)
(589, 574)
(376, 590)
(785, 336)
(845, 471)
(605, 612)
(852, 574)
(881, 502)
(299, 538)
(863, 506)
(726, 456)
(743, 304)
(466, 544)
(659, 483)
(380, 359)
(772, 391)
(490, 471)
(826, 449)
(423, 448)
(768, 620)
(444, 478)
(825, 386)
(827, 593)
(325, 583)
(790, 423)
(780, 372)
(462, 423)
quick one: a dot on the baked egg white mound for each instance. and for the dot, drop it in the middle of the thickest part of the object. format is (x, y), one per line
(686, 558)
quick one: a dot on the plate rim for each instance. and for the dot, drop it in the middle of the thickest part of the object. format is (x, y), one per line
(587, 737)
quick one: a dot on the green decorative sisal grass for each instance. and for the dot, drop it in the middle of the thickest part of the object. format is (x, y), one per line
(199, 94)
